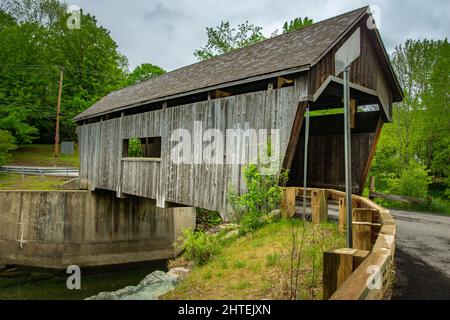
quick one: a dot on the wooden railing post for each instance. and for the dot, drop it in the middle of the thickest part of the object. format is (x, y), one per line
(288, 203)
(338, 265)
(365, 224)
(319, 206)
(342, 217)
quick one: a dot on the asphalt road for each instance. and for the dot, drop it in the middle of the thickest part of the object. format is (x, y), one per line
(422, 257)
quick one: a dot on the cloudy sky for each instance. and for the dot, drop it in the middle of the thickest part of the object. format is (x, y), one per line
(166, 33)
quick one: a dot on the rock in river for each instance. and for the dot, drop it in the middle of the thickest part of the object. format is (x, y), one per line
(151, 287)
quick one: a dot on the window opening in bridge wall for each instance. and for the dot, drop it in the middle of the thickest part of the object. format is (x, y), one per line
(142, 148)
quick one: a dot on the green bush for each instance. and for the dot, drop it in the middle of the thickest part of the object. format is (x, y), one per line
(198, 246)
(7, 144)
(134, 148)
(413, 182)
(263, 195)
(208, 218)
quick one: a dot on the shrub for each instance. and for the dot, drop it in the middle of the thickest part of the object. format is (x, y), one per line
(134, 148)
(208, 218)
(198, 246)
(263, 195)
(413, 182)
(7, 144)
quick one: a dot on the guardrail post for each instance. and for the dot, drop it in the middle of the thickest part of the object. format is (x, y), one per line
(319, 206)
(288, 203)
(365, 227)
(342, 218)
(337, 267)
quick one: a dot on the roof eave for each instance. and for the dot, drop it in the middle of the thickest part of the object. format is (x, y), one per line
(280, 73)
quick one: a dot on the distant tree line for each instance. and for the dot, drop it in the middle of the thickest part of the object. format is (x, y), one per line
(36, 44)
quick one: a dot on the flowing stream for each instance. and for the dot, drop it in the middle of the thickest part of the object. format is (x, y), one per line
(34, 284)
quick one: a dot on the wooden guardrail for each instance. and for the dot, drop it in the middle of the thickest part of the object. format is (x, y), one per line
(364, 271)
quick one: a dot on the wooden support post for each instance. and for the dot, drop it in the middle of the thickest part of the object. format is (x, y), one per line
(352, 113)
(319, 206)
(288, 203)
(337, 267)
(342, 217)
(362, 228)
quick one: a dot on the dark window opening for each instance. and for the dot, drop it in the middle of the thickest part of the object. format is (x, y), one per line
(142, 147)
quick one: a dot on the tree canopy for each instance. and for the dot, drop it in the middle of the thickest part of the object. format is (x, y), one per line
(225, 38)
(144, 72)
(296, 24)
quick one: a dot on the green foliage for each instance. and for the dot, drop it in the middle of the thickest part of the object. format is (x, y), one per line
(224, 38)
(7, 144)
(198, 246)
(413, 182)
(35, 45)
(208, 218)
(134, 148)
(296, 24)
(144, 72)
(263, 195)
(421, 127)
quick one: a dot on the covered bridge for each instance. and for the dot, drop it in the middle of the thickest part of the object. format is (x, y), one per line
(264, 86)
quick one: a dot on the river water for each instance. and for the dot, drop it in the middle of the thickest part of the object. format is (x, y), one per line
(34, 284)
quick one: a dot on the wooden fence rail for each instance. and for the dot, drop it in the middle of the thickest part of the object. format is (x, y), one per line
(364, 271)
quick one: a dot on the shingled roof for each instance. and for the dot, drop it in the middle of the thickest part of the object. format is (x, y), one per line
(302, 48)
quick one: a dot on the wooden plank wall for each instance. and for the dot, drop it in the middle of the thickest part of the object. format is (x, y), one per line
(199, 185)
(366, 71)
(326, 151)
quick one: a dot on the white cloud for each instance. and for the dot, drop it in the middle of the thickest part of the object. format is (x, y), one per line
(166, 33)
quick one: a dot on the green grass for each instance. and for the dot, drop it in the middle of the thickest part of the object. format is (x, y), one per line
(42, 155)
(254, 266)
(15, 182)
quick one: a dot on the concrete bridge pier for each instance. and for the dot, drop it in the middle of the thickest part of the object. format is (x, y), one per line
(55, 229)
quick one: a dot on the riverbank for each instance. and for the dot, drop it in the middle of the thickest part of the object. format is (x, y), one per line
(256, 266)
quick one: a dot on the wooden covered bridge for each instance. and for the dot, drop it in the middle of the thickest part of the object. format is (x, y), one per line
(264, 86)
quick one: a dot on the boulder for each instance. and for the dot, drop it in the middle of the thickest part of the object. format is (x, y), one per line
(179, 273)
(151, 287)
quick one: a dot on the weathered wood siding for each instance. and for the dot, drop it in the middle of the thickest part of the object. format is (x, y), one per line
(199, 185)
(368, 70)
(326, 162)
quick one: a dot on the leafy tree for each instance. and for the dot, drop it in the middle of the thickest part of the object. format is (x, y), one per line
(413, 181)
(225, 38)
(7, 144)
(421, 129)
(296, 24)
(36, 44)
(144, 72)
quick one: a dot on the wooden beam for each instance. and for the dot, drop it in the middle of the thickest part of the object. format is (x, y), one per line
(221, 94)
(282, 81)
(352, 113)
(337, 267)
(319, 206)
(288, 203)
(373, 148)
(295, 134)
(363, 223)
(342, 216)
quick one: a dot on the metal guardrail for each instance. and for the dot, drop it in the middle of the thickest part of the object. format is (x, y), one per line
(41, 171)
